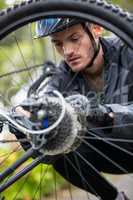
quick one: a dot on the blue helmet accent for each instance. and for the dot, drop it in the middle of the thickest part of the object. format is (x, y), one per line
(48, 26)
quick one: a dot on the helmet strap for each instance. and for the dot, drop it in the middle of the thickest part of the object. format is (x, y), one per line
(96, 52)
(96, 46)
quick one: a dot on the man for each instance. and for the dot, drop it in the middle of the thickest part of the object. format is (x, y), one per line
(102, 67)
(99, 69)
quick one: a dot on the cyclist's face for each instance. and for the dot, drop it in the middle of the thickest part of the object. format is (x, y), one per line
(75, 46)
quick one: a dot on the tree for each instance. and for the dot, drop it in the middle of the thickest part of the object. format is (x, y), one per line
(3, 4)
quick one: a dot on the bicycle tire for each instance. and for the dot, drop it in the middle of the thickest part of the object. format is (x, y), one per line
(99, 12)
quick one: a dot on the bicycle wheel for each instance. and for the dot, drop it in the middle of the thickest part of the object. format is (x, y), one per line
(20, 63)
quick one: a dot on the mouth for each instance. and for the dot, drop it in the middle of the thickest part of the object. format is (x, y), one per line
(73, 60)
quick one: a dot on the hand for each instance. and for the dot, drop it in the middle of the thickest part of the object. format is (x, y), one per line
(20, 110)
(80, 103)
(19, 135)
(99, 114)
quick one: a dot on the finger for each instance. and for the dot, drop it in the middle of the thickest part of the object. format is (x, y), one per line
(20, 110)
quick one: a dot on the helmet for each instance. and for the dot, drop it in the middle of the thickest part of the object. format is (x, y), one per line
(49, 26)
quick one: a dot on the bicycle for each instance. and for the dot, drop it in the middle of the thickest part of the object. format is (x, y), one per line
(18, 17)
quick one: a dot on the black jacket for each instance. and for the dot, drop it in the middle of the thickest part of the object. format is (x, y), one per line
(118, 94)
(118, 86)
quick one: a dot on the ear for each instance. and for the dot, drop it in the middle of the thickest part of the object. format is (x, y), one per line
(97, 30)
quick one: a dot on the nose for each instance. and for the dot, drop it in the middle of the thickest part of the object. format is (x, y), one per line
(68, 50)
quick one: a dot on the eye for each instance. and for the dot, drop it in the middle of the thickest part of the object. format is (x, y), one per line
(58, 44)
(75, 38)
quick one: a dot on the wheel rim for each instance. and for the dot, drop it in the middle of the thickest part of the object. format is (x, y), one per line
(109, 25)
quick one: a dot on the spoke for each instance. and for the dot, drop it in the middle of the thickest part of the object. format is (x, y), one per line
(21, 187)
(70, 83)
(67, 174)
(22, 56)
(105, 156)
(9, 154)
(21, 70)
(80, 172)
(41, 176)
(13, 65)
(15, 71)
(6, 154)
(112, 126)
(109, 139)
(33, 48)
(112, 144)
(83, 178)
(4, 99)
(32, 44)
(104, 184)
(55, 183)
(41, 181)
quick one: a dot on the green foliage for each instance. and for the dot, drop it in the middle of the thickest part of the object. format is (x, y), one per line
(125, 4)
(28, 188)
(3, 4)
